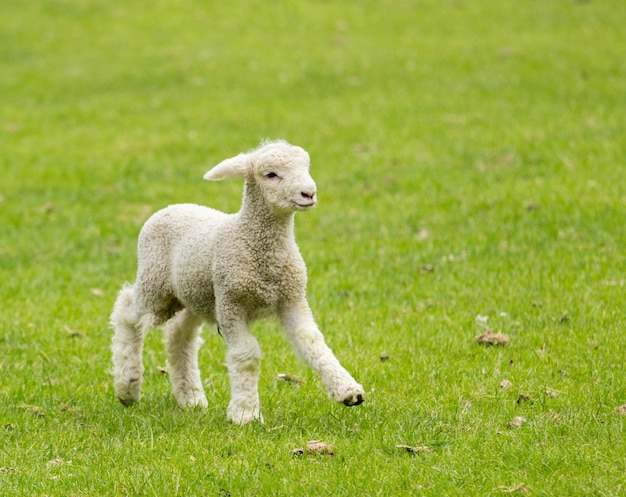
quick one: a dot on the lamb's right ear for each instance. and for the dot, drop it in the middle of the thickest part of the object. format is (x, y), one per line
(235, 167)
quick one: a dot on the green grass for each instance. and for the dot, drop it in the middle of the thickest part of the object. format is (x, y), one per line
(470, 161)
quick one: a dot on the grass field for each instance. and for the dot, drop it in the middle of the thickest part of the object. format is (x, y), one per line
(470, 161)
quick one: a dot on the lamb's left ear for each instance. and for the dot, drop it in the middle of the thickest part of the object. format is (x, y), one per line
(235, 167)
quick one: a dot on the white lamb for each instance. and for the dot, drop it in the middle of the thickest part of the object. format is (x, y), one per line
(197, 264)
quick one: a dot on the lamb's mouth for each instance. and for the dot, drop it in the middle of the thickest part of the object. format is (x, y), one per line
(304, 207)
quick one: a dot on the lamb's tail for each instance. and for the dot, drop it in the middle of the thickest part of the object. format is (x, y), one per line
(123, 314)
(126, 347)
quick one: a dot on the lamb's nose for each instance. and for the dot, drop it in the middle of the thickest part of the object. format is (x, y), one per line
(308, 194)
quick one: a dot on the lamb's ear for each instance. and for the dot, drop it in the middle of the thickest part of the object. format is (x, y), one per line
(235, 167)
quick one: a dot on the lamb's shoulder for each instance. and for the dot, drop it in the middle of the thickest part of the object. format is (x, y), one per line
(294, 278)
(198, 230)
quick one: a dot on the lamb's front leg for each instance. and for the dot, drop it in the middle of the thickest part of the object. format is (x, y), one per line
(308, 341)
(243, 360)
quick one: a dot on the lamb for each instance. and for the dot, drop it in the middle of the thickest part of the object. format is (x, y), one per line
(197, 265)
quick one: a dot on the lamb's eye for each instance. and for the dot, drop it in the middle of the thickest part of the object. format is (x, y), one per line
(271, 175)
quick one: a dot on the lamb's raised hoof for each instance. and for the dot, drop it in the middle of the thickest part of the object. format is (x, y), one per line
(354, 400)
(349, 394)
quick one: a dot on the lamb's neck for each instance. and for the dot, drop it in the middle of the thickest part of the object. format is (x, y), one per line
(267, 227)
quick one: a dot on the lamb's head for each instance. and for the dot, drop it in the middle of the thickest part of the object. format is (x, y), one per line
(278, 170)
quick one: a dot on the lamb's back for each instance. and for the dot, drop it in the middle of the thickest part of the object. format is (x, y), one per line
(172, 241)
(167, 230)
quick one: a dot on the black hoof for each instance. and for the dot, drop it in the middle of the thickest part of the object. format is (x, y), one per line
(126, 402)
(352, 402)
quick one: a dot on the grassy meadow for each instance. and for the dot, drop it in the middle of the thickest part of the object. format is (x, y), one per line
(470, 162)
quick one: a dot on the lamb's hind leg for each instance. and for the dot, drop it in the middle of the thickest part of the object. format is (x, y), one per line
(183, 341)
(127, 346)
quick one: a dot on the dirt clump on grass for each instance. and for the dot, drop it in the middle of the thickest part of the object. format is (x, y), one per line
(489, 337)
(520, 487)
(289, 378)
(621, 410)
(516, 422)
(420, 449)
(35, 410)
(315, 447)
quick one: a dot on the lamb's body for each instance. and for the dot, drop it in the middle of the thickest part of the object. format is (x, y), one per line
(197, 264)
(176, 267)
